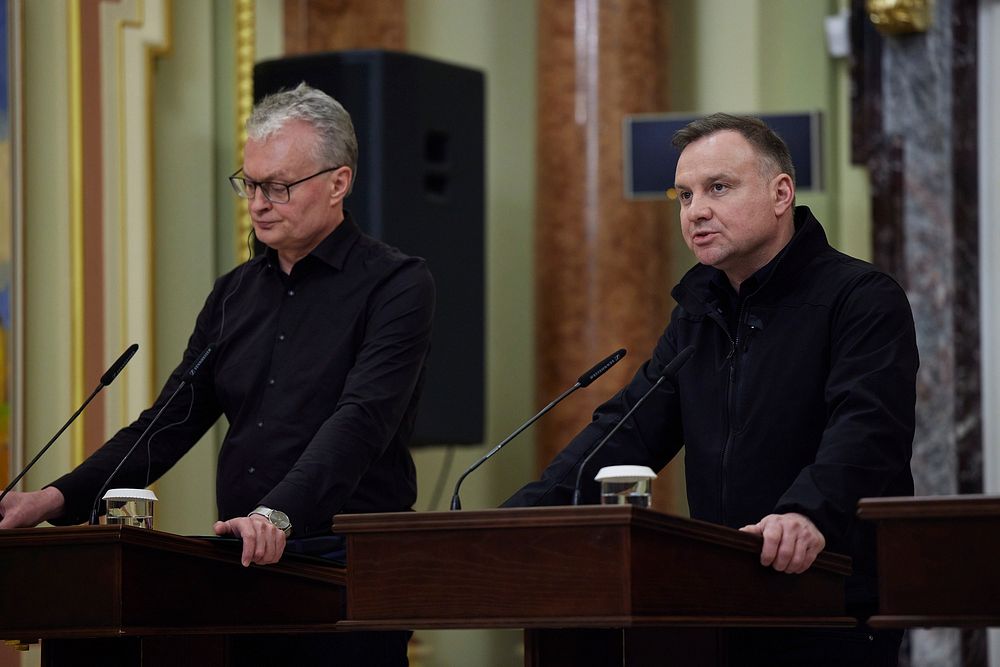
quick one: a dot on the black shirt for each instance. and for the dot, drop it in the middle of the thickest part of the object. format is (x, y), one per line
(318, 373)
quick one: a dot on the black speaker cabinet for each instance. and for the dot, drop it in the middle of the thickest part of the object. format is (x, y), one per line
(419, 187)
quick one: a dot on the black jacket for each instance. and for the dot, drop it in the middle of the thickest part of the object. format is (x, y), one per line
(804, 403)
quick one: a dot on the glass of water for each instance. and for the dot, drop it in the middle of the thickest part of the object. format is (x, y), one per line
(626, 485)
(130, 507)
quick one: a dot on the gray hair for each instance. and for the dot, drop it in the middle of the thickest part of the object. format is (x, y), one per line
(337, 146)
(770, 148)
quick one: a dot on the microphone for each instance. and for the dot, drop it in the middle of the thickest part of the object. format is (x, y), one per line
(669, 373)
(186, 377)
(599, 369)
(106, 379)
(116, 368)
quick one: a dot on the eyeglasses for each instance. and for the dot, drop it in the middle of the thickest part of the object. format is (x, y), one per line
(276, 193)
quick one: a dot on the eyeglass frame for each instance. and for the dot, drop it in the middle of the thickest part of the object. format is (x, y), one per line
(246, 193)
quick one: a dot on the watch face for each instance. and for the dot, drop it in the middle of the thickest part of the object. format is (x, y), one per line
(279, 519)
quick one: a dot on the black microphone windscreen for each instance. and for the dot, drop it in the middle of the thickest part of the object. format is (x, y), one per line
(601, 368)
(674, 367)
(116, 368)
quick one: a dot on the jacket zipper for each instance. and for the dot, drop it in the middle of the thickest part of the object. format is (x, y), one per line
(730, 409)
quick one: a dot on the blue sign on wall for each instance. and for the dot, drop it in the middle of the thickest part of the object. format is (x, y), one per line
(650, 160)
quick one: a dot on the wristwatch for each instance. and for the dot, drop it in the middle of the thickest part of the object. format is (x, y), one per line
(277, 518)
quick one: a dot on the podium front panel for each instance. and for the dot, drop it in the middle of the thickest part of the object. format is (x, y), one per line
(594, 566)
(937, 559)
(109, 581)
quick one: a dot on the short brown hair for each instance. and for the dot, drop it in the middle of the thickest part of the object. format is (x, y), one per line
(769, 146)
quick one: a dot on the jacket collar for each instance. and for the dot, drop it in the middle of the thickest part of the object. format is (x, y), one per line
(694, 291)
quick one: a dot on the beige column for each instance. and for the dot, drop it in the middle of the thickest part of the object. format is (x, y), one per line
(602, 261)
(325, 25)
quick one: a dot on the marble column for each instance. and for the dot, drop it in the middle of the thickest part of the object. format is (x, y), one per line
(313, 26)
(602, 262)
(915, 129)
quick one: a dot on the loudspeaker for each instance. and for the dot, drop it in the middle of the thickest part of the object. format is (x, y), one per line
(419, 187)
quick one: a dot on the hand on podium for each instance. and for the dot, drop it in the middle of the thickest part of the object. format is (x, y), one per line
(791, 541)
(263, 542)
(26, 510)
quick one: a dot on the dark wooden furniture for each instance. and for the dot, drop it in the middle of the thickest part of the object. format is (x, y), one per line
(937, 560)
(95, 591)
(639, 574)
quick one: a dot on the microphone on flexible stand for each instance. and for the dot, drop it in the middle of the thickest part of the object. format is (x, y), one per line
(106, 379)
(186, 378)
(584, 380)
(669, 373)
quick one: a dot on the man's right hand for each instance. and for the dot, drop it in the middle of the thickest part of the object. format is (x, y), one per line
(25, 510)
(263, 542)
(791, 541)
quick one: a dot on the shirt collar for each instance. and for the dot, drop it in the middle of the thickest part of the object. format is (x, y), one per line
(333, 249)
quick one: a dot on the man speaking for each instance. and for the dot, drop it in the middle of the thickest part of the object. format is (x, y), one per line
(799, 399)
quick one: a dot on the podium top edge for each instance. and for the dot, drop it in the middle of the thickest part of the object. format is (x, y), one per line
(929, 507)
(623, 516)
(507, 517)
(118, 536)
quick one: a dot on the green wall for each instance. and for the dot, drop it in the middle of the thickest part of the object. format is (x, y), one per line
(46, 238)
(187, 181)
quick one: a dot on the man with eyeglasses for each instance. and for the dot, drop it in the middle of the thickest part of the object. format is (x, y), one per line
(318, 354)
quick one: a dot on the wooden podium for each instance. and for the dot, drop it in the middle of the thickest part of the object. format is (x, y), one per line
(591, 586)
(937, 559)
(120, 595)
(657, 584)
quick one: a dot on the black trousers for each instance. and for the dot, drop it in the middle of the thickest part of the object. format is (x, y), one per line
(812, 647)
(349, 649)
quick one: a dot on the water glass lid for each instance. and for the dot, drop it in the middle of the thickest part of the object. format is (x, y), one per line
(129, 494)
(624, 474)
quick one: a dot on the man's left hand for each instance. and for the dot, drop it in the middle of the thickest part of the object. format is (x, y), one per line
(263, 542)
(791, 541)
